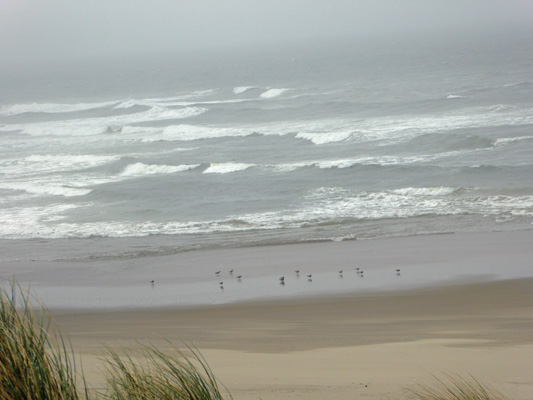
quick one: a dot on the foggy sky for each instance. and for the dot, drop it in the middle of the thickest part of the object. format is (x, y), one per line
(42, 30)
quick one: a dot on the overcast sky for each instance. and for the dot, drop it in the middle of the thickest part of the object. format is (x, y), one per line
(35, 30)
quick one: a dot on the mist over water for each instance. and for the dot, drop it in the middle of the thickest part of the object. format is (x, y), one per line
(339, 142)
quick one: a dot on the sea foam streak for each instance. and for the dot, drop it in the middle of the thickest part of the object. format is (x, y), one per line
(225, 168)
(320, 206)
(271, 93)
(101, 125)
(45, 189)
(140, 169)
(45, 163)
(49, 108)
(241, 89)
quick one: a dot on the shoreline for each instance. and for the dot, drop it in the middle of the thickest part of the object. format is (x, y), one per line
(189, 280)
(352, 346)
(462, 305)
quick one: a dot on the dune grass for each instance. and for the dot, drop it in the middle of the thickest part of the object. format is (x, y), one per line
(456, 388)
(158, 375)
(32, 365)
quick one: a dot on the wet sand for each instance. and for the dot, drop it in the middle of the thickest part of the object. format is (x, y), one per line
(367, 343)
(352, 346)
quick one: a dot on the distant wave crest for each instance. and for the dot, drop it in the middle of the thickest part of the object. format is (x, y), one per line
(140, 169)
(225, 168)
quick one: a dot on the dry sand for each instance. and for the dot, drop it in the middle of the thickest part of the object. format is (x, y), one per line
(362, 346)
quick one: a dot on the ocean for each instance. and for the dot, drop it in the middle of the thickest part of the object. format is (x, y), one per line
(338, 141)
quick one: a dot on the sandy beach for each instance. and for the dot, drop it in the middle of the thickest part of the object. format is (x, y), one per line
(362, 342)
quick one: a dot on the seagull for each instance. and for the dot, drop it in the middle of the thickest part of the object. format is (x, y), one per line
(217, 273)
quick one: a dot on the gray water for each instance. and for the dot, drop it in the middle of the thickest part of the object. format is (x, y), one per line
(351, 140)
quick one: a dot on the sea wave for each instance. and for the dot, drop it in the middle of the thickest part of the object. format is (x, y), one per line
(104, 125)
(226, 168)
(271, 93)
(322, 206)
(50, 108)
(39, 164)
(505, 141)
(425, 191)
(241, 89)
(47, 189)
(140, 169)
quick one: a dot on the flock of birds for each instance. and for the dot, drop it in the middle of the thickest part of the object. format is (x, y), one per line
(309, 277)
(281, 279)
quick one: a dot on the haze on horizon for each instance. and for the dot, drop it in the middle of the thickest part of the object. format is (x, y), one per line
(38, 32)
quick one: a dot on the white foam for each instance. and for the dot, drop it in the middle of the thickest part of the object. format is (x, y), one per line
(324, 137)
(241, 89)
(226, 168)
(504, 141)
(49, 108)
(270, 93)
(321, 205)
(105, 125)
(425, 191)
(186, 132)
(454, 96)
(38, 164)
(49, 189)
(140, 169)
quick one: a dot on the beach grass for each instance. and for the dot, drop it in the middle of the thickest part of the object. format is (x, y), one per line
(159, 375)
(455, 388)
(34, 364)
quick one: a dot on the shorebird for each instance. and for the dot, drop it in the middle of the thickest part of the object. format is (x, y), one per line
(340, 272)
(309, 275)
(221, 287)
(221, 283)
(282, 283)
(230, 272)
(239, 277)
(217, 273)
(152, 282)
(357, 268)
(282, 279)
(297, 272)
(398, 271)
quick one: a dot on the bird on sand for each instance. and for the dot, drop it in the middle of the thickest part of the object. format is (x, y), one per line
(282, 279)
(217, 273)
(230, 272)
(239, 277)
